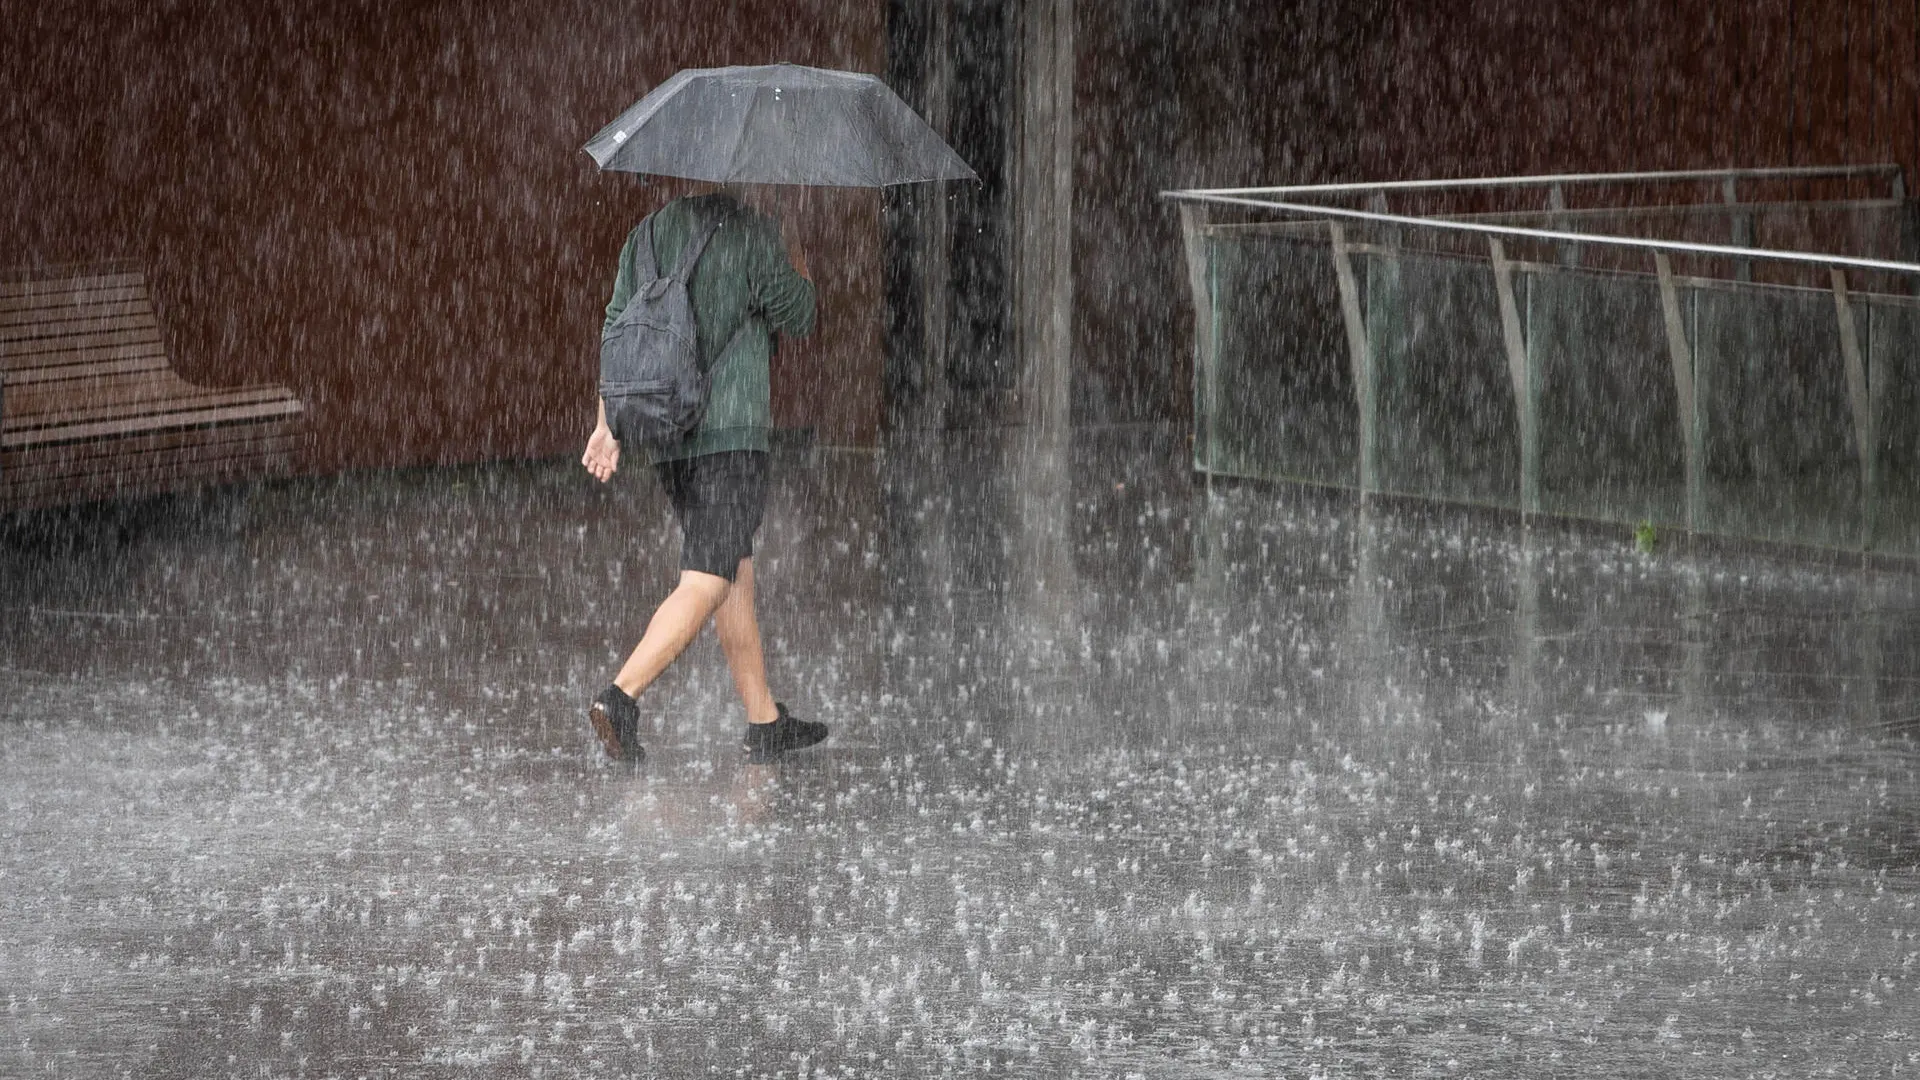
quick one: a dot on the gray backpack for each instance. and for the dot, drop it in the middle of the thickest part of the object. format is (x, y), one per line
(651, 376)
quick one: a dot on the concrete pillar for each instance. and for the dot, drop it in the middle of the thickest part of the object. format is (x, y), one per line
(1043, 212)
(1048, 605)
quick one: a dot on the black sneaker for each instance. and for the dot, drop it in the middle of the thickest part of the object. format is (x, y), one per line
(767, 741)
(616, 719)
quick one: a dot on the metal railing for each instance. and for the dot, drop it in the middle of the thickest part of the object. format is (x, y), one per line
(1598, 360)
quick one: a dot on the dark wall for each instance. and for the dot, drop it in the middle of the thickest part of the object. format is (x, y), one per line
(950, 358)
(384, 205)
(1217, 93)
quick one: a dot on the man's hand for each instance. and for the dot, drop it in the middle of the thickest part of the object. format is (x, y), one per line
(789, 204)
(796, 206)
(603, 454)
(796, 254)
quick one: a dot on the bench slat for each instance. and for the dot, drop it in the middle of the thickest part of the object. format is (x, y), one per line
(79, 341)
(11, 307)
(130, 366)
(162, 381)
(53, 456)
(58, 285)
(49, 365)
(60, 331)
(51, 428)
(140, 415)
(282, 407)
(29, 403)
(49, 314)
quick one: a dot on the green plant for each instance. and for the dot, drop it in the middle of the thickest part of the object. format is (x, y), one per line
(1645, 537)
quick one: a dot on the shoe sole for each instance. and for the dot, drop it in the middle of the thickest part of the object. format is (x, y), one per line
(759, 755)
(603, 727)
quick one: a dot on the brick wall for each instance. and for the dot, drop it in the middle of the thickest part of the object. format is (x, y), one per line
(385, 205)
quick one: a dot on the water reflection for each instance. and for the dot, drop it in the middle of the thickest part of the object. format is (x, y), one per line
(1127, 777)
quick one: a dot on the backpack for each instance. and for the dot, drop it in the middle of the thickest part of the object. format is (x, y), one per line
(651, 376)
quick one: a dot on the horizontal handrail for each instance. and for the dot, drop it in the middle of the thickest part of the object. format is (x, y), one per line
(1311, 210)
(1801, 172)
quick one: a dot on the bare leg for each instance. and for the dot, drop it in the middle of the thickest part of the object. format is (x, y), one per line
(673, 627)
(739, 632)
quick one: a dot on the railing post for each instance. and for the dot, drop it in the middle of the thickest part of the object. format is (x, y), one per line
(1360, 352)
(1520, 367)
(1683, 387)
(1860, 398)
(1205, 338)
(1557, 202)
(1387, 235)
(1909, 231)
(1739, 228)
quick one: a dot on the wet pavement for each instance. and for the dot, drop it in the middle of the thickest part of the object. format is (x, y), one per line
(1128, 778)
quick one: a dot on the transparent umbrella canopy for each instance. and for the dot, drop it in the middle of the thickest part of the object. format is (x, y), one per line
(776, 124)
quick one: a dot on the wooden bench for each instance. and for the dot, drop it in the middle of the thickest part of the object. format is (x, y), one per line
(90, 408)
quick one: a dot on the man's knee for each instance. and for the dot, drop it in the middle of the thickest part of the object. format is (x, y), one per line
(711, 587)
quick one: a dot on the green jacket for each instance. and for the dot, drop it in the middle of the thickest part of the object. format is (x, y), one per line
(743, 282)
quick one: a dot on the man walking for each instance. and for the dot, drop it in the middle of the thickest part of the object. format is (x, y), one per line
(743, 290)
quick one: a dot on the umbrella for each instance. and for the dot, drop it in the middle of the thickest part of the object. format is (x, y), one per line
(776, 124)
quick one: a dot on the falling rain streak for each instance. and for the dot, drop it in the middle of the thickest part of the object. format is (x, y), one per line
(1132, 774)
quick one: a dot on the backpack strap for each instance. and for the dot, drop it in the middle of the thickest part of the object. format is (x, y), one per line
(684, 273)
(691, 254)
(707, 364)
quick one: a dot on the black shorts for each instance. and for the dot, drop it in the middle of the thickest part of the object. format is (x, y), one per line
(718, 500)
